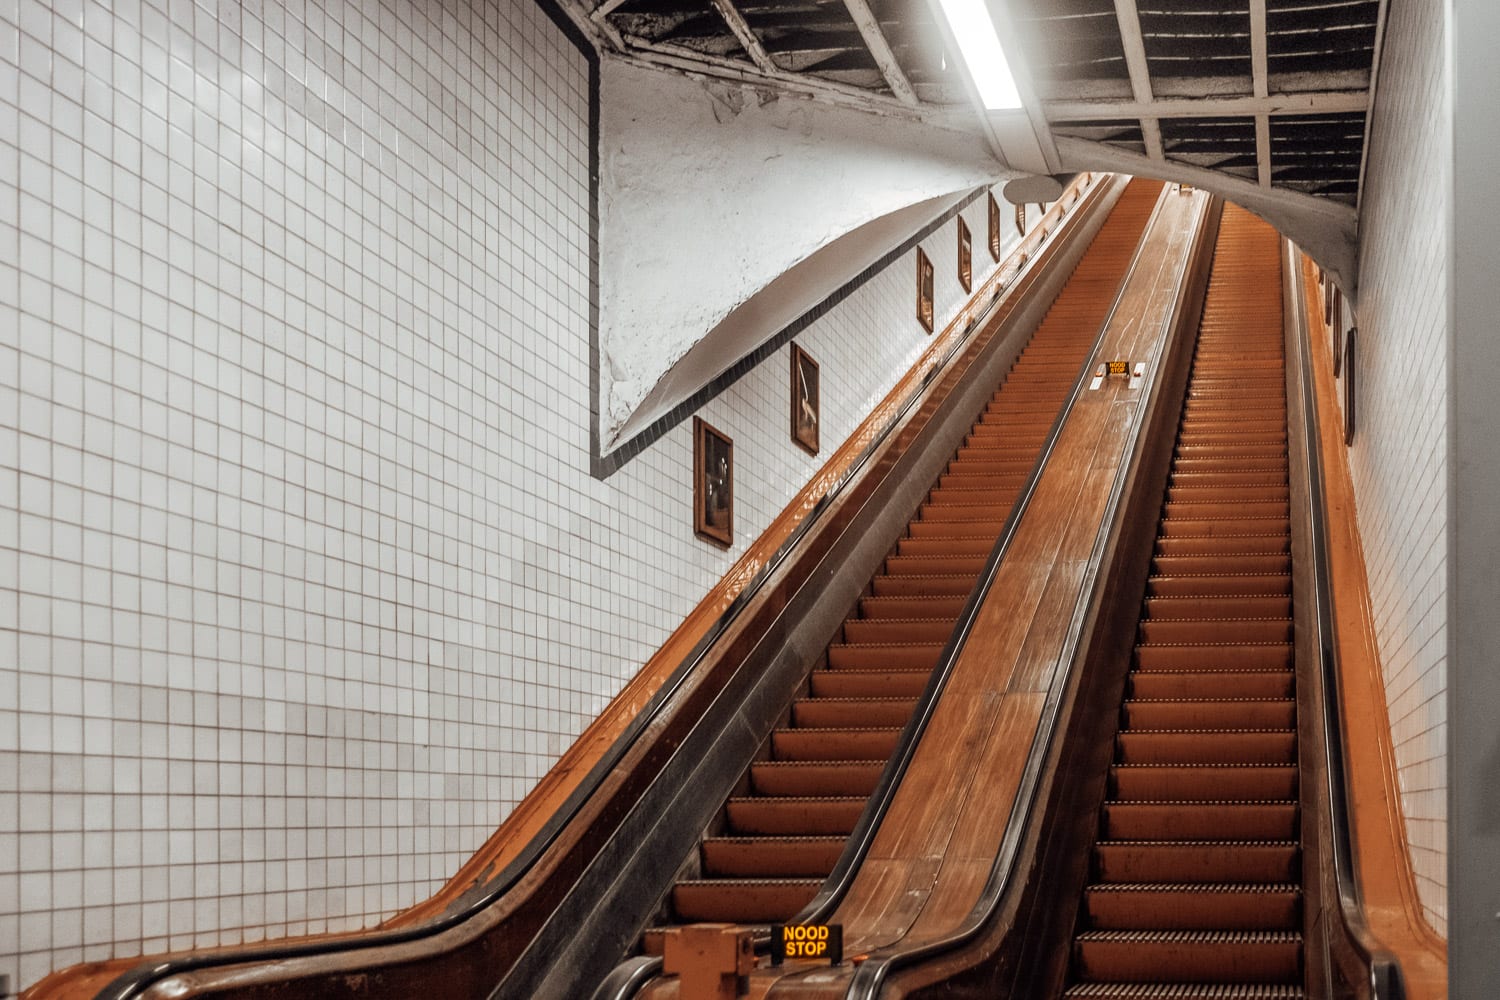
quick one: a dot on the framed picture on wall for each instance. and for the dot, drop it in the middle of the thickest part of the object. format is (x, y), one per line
(713, 484)
(1350, 339)
(1335, 321)
(924, 291)
(804, 400)
(994, 228)
(1021, 219)
(965, 256)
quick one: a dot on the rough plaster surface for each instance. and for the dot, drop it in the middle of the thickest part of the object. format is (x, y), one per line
(748, 187)
(1324, 229)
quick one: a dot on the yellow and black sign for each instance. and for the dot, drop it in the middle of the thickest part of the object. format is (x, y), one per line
(1119, 369)
(807, 941)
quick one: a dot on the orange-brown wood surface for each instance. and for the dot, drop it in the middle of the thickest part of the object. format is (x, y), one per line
(552, 791)
(937, 844)
(960, 788)
(1382, 853)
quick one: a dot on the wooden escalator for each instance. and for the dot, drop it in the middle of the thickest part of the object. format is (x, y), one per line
(783, 831)
(1196, 874)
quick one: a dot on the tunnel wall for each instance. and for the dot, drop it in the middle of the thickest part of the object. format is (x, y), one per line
(304, 579)
(1399, 455)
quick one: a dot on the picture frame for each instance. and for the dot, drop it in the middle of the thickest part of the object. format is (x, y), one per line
(805, 393)
(1336, 331)
(994, 219)
(1350, 339)
(1021, 219)
(965, 256)
(925, 314)
(713, 484)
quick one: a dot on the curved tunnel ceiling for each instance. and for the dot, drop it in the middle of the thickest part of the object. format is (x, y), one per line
(1263, 101)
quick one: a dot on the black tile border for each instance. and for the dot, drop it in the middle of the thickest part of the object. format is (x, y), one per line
(590, 54)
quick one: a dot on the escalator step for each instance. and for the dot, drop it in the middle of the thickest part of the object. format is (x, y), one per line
(1189, 510)
(1183, 991)
(834, 744)
(1191, 956)
(1238, 563)
(1222, 494)
(885, 656)
(751, 857)
(903, 630)
(936, 565)
(970, 546)
(1223, 906)
(1220, 585)
(1200, 820)
(1206, 746)
(1210, 713)
(926, 605)
(1203, 605)
(1222, 545)
(849, 713)
(1196, 656)
(1197, 860)
(815, 778)
(745, 901)
(789, 815)
(868, 683)
(954, 584)
(1187, 782)
(1219, 527)
(1212, 684)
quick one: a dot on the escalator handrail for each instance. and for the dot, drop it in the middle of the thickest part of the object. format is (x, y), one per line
(1386, 982)
(630, 977)
(134, 982)
(871, 974)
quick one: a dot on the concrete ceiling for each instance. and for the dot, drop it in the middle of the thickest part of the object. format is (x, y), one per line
(732, 110)
(1271, 93)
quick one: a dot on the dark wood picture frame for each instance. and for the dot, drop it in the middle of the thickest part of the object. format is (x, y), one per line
(1021, 219)
(925, 314)
(994, 215)
(713, 484)
(1335, 330)
(965, 256)
(805, 400)
(1350, 339)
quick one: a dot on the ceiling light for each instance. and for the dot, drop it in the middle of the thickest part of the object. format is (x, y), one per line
(974, 32)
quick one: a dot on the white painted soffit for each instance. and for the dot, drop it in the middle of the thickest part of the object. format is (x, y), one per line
(710, 191)
(1325, 229)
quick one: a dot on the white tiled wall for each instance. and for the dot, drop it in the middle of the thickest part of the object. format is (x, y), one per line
(303, 579)
(1398, 456)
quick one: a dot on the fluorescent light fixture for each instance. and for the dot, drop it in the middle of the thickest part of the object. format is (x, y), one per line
(972, 28)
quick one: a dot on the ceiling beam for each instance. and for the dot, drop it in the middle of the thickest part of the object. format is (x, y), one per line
(1135, 50)
(606, 8)
(741, 28)
(1263, 150)
(1211, 107)
(1151, 134)
(880, 48)
(1258, 61)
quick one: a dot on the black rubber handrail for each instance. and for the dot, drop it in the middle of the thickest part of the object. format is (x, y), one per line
(870, 976)
(1385, 980)
(136, 981)
(631, 976)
